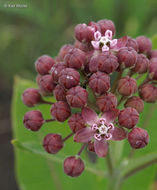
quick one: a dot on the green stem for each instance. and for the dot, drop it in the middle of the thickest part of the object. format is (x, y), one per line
(109, 164)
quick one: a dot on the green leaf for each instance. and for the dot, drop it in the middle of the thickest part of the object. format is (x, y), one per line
(36, 169)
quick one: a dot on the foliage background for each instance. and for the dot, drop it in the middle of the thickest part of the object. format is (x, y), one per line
(41, 28)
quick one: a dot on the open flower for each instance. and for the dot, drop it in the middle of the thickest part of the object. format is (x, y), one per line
(105, 43)
(100, 130)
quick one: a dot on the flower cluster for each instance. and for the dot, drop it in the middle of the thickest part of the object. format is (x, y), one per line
(97, 75)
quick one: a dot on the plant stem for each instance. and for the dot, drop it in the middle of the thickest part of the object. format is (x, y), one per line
(109, 163)
(82, 148)
(121, 100)
(114, 87)
(67, 137)
(49, 120)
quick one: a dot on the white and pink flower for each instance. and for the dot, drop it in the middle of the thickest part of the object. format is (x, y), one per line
(100, 130)
(105, 43)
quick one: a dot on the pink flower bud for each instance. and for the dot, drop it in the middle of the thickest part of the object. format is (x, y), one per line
(127, 57)
(60, 111)
(128, 117)
(105, 62)
(75, 58)
(132, 43)
(77, 97)
(99, 82)
(46, 84)
(43, 64)
(141, 64)
(148, 92)
(153, 54)
(73, 166)
(84, 33)
(106, 102)
(53, 143)
(59, 93)
(33, 120)
(94, 25)
(135, 102)
(138, 138)
(69, 78)
(106, 25)
(56, 70)
(91, 146)
(85, 47)
(38, 77)
(127, 86)
(144, 44)
(76, 122)
(30, 97)
(153, 68)
(63, 51)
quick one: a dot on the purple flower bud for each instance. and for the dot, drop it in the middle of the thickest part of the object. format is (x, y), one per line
(153, 54)
(127, 57)
(105, 62)
(59, 93)
(128, 117)
(99, 82)
(141, 64)
(95, 26)
(46, 84)
(75, 58)
(60, 111)
(106, 102)
(76, 122)
(144, 44)
(132, 43)
(106, 25)
(53, 143)
(127, 86)
(153, 68)
(138, 138)
(77, 97)
(148, 92)
(135, 102)
(73, 166)
(91, 146)
(69, 78)
(56, 70)
(85, 47)
(63, 51)
(43, 64)
(33, 120)
(84, 33)
(38, 77)
(30, 97)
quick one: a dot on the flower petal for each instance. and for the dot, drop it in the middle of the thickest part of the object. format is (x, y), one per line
(89, 116)
(111, 115)
(84, 135)
(118, 134)
(101, 148)
(95, 44)
(121, 42)
(97, 35)
(105, 48)
(108, 34)
(113, 43)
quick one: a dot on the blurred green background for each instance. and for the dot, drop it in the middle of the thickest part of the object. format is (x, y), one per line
(42, 27)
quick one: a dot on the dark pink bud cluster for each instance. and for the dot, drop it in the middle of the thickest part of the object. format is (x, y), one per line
(96, 91)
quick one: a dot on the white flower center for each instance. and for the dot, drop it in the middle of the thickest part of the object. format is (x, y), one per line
(103, 129)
